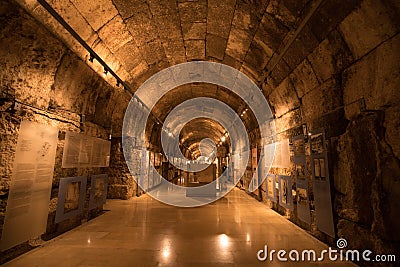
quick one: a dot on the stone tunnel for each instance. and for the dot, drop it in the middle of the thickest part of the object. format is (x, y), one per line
(277, 119)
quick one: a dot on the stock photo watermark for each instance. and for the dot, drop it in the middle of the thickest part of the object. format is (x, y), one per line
(330, 254)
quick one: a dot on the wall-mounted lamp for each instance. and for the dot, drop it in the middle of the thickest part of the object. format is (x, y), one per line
(105, 72)
(91, 58)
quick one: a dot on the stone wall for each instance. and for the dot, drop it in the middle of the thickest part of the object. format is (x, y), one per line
(348, 84)
(43, 81)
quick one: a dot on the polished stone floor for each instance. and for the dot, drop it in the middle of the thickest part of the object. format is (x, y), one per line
(145, 232)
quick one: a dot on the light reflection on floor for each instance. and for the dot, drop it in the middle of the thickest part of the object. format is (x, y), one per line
(145, 232)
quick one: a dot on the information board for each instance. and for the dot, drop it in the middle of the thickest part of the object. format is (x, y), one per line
(301, 175)
(281, 157)
(322, 191)
(85, 151)
(28, 201)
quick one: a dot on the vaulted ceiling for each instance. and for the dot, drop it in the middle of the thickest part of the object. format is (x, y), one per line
(138, 38)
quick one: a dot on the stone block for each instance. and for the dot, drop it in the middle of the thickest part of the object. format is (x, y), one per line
(195, 49)
(324, 20)
(127, 8)
(115, 34)
(303, 78)
(301, 47)
(129, 55)
(284, 99)
(323, 99)
(193, 11)
(194, 30)
(330, 57)
(278, 10)
(368, 26)
(163, 7)
(153, 52)
(238, 43)
(375, 78)
(168, 27)
(175, 51)
(215, 46)
(142, 27)
(271, 32)
(219, 17)
(73, 17)
(96, 12)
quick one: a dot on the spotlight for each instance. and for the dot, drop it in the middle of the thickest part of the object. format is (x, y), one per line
(223, 138)
(105, 72)
(91, 58)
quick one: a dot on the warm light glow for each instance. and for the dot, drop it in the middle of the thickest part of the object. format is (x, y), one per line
(88, 241)
(223, 240)
(248, 238)
(166, 252)
(223, 138)
(170, 134)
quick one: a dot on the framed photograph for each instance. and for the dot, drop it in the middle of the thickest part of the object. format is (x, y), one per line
(317, 143)
(71, 197)
(285, 192)
(98, 191)
(271, 187)
(302, 197)
(317, 169)
(300, 170)
(323, 169)
(298, 145)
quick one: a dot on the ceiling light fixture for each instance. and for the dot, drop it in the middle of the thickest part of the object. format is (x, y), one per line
(105, 72)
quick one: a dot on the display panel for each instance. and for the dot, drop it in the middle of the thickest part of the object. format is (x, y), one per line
(71, 197)
(98, 190)
(285, 192)
(321, 184)
(271, 187)
(29, 195)
(303, 203)
(84, 151)
(281, 157)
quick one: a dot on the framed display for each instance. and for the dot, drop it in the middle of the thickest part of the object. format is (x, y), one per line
(317, 142)
(84, 151)
(98, 191)
(303, 205)
(298, 146)
(278, 154)
(71, 197)
(319, 168)
(285, 192)
(271, 187)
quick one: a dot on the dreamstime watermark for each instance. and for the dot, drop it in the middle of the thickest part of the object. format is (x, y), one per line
(330, 254)
(138, 116)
